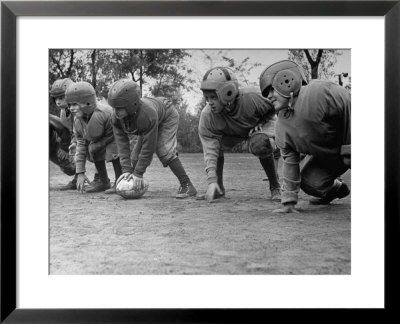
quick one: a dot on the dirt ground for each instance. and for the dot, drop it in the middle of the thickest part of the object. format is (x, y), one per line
(158, 234)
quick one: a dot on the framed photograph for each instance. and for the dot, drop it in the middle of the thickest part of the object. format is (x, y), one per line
(334, 257)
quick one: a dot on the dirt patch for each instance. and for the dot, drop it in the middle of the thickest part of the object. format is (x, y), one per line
(158, 234)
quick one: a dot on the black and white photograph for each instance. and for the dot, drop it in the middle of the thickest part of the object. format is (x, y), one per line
(199, 161)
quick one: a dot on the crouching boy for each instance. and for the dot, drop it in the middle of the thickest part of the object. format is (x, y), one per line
(155, 123)
(94, 135)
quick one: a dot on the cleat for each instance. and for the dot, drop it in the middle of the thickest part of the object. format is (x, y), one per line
(185, 191)
(112, 190)
(98, 185)
(69, 186)
(342, 192)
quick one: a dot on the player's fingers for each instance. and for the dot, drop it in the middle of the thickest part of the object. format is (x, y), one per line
(210, 196)
(79, 187)
(120, 178)
(136, 184)
(82, 186)
(283, 210)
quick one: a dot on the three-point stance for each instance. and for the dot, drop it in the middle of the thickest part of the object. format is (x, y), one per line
(94, 135)
(313, 119)
(231, 116)
(155, 123)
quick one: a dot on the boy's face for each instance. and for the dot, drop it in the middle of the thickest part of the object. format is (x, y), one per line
(277, 100)
(60, 102)
(76, 109)
(120, 113)
(213, 101)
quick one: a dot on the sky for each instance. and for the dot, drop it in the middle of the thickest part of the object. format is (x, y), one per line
(199, 64)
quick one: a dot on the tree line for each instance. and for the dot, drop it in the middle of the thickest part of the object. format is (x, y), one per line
(166, 72)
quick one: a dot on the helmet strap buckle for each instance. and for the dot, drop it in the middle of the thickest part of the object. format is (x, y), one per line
(289, 109)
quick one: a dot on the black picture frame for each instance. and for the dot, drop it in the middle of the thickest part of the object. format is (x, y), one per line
(10, 10)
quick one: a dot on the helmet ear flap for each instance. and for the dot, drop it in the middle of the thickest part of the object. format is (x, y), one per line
(286, 83)
(227, 91)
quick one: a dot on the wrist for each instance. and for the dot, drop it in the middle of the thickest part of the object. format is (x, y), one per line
(288, 204)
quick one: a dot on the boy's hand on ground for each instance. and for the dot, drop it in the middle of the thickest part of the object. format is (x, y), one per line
(80, 182)
(212, 189)
(287, 208)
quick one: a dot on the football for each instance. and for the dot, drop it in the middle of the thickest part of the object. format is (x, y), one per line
(125, 189)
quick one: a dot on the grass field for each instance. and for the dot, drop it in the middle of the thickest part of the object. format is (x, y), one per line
(158, 234)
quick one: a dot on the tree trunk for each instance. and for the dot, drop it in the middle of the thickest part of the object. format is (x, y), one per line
(94, 79)
(314, 64)
(141, 71)
(71, 63)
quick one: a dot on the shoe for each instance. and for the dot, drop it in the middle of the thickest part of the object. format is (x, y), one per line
(342, 192)
(185, 191)
(112, 190)
(69, 186)
(98, 185)
(276, 195)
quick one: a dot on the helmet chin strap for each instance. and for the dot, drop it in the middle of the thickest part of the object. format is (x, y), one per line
(228, 107)
(289, 109)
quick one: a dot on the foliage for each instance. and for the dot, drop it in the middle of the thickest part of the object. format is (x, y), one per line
(317, 64)
(242, 69)
(159, 72)
(188, 134)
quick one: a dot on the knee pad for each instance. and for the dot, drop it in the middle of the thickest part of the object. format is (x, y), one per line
(260, 145)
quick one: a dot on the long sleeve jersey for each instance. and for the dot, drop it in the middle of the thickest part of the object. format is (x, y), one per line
(95, 129)
(248, 110)
(68, 121)
(144, 124)
(318, 126)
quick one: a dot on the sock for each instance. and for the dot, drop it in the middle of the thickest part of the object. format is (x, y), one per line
(102, 170)
(177, 168)
(277, 156)
(268, 165)
(117, 168)
(220, 171)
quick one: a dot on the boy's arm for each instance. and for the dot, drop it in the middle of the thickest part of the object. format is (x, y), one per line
(146, 147)
(80, 155)
(291, 176)
(124, 151)
(211, 142)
